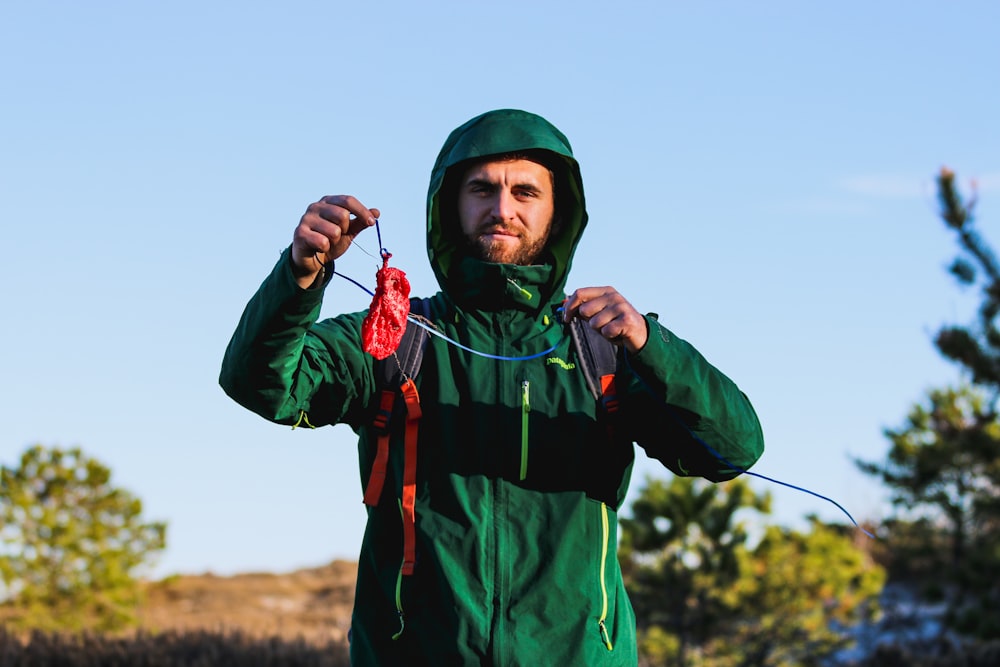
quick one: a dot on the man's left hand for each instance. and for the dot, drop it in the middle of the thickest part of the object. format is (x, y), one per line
(608, 312)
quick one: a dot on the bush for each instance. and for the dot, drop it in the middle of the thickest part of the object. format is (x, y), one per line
(169, 649)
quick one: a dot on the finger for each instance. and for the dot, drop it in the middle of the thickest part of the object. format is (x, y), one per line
(356, 226)
(327, 221)
(626, 327)
(353, 205)
(575, 304)
(314, 240)
(571, 305)
(608, 321)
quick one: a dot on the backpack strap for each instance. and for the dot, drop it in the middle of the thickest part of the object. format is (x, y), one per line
(391, 375)
(395, 377)
(599, 361)
(409, 500)
(409, 355)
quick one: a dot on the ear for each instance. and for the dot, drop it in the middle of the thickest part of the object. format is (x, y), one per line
(556, 226)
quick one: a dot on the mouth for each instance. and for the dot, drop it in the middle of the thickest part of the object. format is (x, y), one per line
(497, 233)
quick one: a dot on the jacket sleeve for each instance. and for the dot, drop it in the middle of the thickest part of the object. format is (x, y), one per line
(686, 413)
(289, 369)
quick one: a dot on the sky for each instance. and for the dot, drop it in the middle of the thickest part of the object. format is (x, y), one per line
(761, 175)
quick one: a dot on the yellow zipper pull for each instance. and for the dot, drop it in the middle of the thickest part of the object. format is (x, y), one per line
(525, 409)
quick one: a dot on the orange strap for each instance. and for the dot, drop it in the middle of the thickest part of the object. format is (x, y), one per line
(377, 478)
(609, 394)
(609, 400)
(410, 475)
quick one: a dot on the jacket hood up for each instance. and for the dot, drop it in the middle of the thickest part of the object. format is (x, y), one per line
(495, 133)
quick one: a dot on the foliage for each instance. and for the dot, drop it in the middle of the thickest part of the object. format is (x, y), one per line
(705, 595)
(801, 591)
(169, 649)
(682, 540)
(914, 553)
(975, 609)
(943, 466)
(976, 348)
(943, 469)
(70, 543)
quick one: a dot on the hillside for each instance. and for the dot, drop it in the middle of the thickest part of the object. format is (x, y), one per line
(313, 604)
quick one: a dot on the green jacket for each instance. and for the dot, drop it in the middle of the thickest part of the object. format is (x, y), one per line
(518, 480)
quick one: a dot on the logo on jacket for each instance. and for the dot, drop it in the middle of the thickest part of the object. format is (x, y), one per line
(559, 362)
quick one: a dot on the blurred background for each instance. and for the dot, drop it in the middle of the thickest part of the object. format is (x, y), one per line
(762, 175)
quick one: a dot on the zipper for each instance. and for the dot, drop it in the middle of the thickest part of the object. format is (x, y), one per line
(525, 293)
(605, 531)
(399, 591)
(525, 409)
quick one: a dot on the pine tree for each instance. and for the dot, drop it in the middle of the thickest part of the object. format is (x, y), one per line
(976, 347)
(705, 594)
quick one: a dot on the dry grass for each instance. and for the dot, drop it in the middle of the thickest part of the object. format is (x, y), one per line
(311, 604)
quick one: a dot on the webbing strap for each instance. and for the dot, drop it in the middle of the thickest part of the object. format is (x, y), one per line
(609, 394)
(376, 480)
(413, 413)
(609, 401)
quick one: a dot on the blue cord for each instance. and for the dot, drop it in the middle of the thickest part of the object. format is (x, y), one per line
(711, 450)
(370, 293)
(382, 251)
(455, 342)
(481, 354)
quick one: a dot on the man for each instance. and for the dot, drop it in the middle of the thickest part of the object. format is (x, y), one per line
(518, 481)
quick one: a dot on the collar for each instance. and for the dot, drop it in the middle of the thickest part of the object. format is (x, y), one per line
(493, 287)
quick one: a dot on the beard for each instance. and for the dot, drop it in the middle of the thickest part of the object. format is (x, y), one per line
(524, 253)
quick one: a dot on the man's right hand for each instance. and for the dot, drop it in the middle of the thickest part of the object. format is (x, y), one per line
(325, 232)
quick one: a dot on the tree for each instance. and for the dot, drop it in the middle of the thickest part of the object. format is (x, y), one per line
(944, 464)
(71, 543)
(703, 594)
(975, 348)
(799, 595)
(679, 554)
(944, 472)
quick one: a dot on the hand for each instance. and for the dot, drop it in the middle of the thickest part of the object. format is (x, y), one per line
(608, 312)
(325, 232)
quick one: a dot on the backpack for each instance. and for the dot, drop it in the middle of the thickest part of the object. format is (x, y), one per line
(597, 357)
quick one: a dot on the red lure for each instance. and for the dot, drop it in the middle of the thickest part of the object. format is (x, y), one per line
(383, 327)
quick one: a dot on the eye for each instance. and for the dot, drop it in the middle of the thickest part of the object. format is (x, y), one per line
(480, 188)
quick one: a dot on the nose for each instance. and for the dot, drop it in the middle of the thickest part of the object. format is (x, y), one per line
(503, 205)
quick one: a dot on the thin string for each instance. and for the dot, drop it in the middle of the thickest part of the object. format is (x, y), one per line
(381, 249)
(440, 335)
(711, 450)
(383, 254)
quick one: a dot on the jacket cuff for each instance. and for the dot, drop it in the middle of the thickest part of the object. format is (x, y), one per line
(657, 337)
(322, 280)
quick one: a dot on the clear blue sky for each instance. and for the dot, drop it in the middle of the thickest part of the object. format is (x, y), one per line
(759, 174)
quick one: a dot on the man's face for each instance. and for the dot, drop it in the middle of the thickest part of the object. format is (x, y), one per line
(505, 210)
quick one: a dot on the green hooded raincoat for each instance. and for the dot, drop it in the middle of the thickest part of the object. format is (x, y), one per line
(518, 481)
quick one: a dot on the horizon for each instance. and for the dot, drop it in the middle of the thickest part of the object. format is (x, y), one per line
(760, 176)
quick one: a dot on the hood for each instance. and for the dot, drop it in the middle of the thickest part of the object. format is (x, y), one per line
(494, 133)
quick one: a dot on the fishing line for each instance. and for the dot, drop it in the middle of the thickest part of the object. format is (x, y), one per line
(711, 450)
(440, 335)
(435, 332)
(385, 256)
